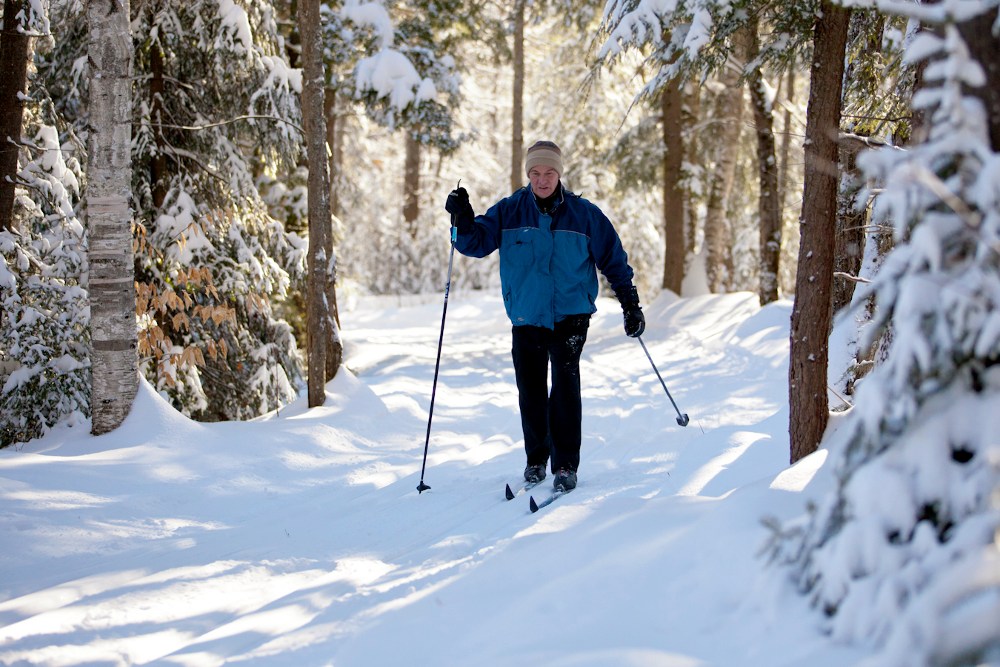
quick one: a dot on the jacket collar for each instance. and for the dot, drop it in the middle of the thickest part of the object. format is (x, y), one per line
(548, 205)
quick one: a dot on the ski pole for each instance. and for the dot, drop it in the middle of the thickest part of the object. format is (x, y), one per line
(437, 364)
(682, 419)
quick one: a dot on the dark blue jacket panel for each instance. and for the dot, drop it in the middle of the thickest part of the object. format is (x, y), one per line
(548, 262)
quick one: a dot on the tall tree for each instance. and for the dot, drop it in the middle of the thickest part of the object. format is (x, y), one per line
(411, 183)
(728, 116)
(313, 86)
(811, 314)
(216, 114)
(674, 208)
(211, 262)
(980, 34)
(769, 205)
(45, 372)
(696, 39)
(786, 272)
(109, 215)
(335, 120)
(906, 538)
(13, 77)
(878, 86)
(517, 109)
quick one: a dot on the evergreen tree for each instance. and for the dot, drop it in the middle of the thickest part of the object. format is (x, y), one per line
(216, 107)
(14, 40)
(44, 359)
(900, 554)
(812, 311)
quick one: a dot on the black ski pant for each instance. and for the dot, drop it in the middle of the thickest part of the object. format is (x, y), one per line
(550, 420)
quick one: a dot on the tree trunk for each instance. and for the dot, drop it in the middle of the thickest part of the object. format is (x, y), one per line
(334, 344)
(851, 221)
(811, 314)
(984, 45)
(718, 232)
(335, 141)
(789, 238)
(694, 143)
(517, 113)
(671, 102)
(318, 200)
(769, 206)
(13, 78)
(158, 165)
(113, 332)
(786, 139)
(411, 184)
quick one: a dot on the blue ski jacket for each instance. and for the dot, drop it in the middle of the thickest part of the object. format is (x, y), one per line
(548, 261)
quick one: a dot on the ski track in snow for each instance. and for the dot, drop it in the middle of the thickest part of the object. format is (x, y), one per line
(299, 538)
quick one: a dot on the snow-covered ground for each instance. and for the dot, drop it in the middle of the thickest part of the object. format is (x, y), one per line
(300, 539)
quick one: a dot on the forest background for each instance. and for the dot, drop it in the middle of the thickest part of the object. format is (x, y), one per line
(219, 184)
(188, 189)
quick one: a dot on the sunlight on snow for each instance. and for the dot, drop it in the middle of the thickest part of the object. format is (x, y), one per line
(357, 572)
(137, 649)
(68, 593)
(55, 499)
(128, 600)
(742, 441)
(557, 520)
(797, 477)
(664, 462)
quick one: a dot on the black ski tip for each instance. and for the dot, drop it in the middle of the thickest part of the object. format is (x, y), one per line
(422, 487)
(683, 420)
(509, 493)
(533, 505)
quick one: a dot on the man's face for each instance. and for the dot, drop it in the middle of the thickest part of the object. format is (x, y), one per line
(543, 181)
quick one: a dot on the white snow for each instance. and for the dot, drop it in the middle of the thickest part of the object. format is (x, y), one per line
(391, 74)
(299, 538)
(372, 15)
(236, 27)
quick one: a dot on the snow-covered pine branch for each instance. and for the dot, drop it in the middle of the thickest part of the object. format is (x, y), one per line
(895, 555)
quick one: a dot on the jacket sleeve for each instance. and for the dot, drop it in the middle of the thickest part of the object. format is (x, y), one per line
(484, 235)
(608, 252)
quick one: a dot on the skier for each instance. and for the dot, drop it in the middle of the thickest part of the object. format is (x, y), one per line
(551, 242)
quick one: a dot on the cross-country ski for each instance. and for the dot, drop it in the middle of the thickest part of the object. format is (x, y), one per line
(552, 497)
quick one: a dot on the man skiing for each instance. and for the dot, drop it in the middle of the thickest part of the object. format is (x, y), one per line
(551, 244)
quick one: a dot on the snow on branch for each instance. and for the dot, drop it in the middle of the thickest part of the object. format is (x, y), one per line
(389, 73)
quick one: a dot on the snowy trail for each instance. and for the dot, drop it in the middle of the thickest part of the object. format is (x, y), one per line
(300, 539)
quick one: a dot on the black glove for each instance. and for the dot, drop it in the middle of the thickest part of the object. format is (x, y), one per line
(635, 322)
(461, 211)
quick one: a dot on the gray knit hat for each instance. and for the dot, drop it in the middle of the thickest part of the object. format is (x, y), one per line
(545, 154)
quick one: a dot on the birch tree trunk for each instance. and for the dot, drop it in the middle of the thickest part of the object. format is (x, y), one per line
(318, 200)
(811, 314)
(13, 77)
(517, 114)
(109, 216)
